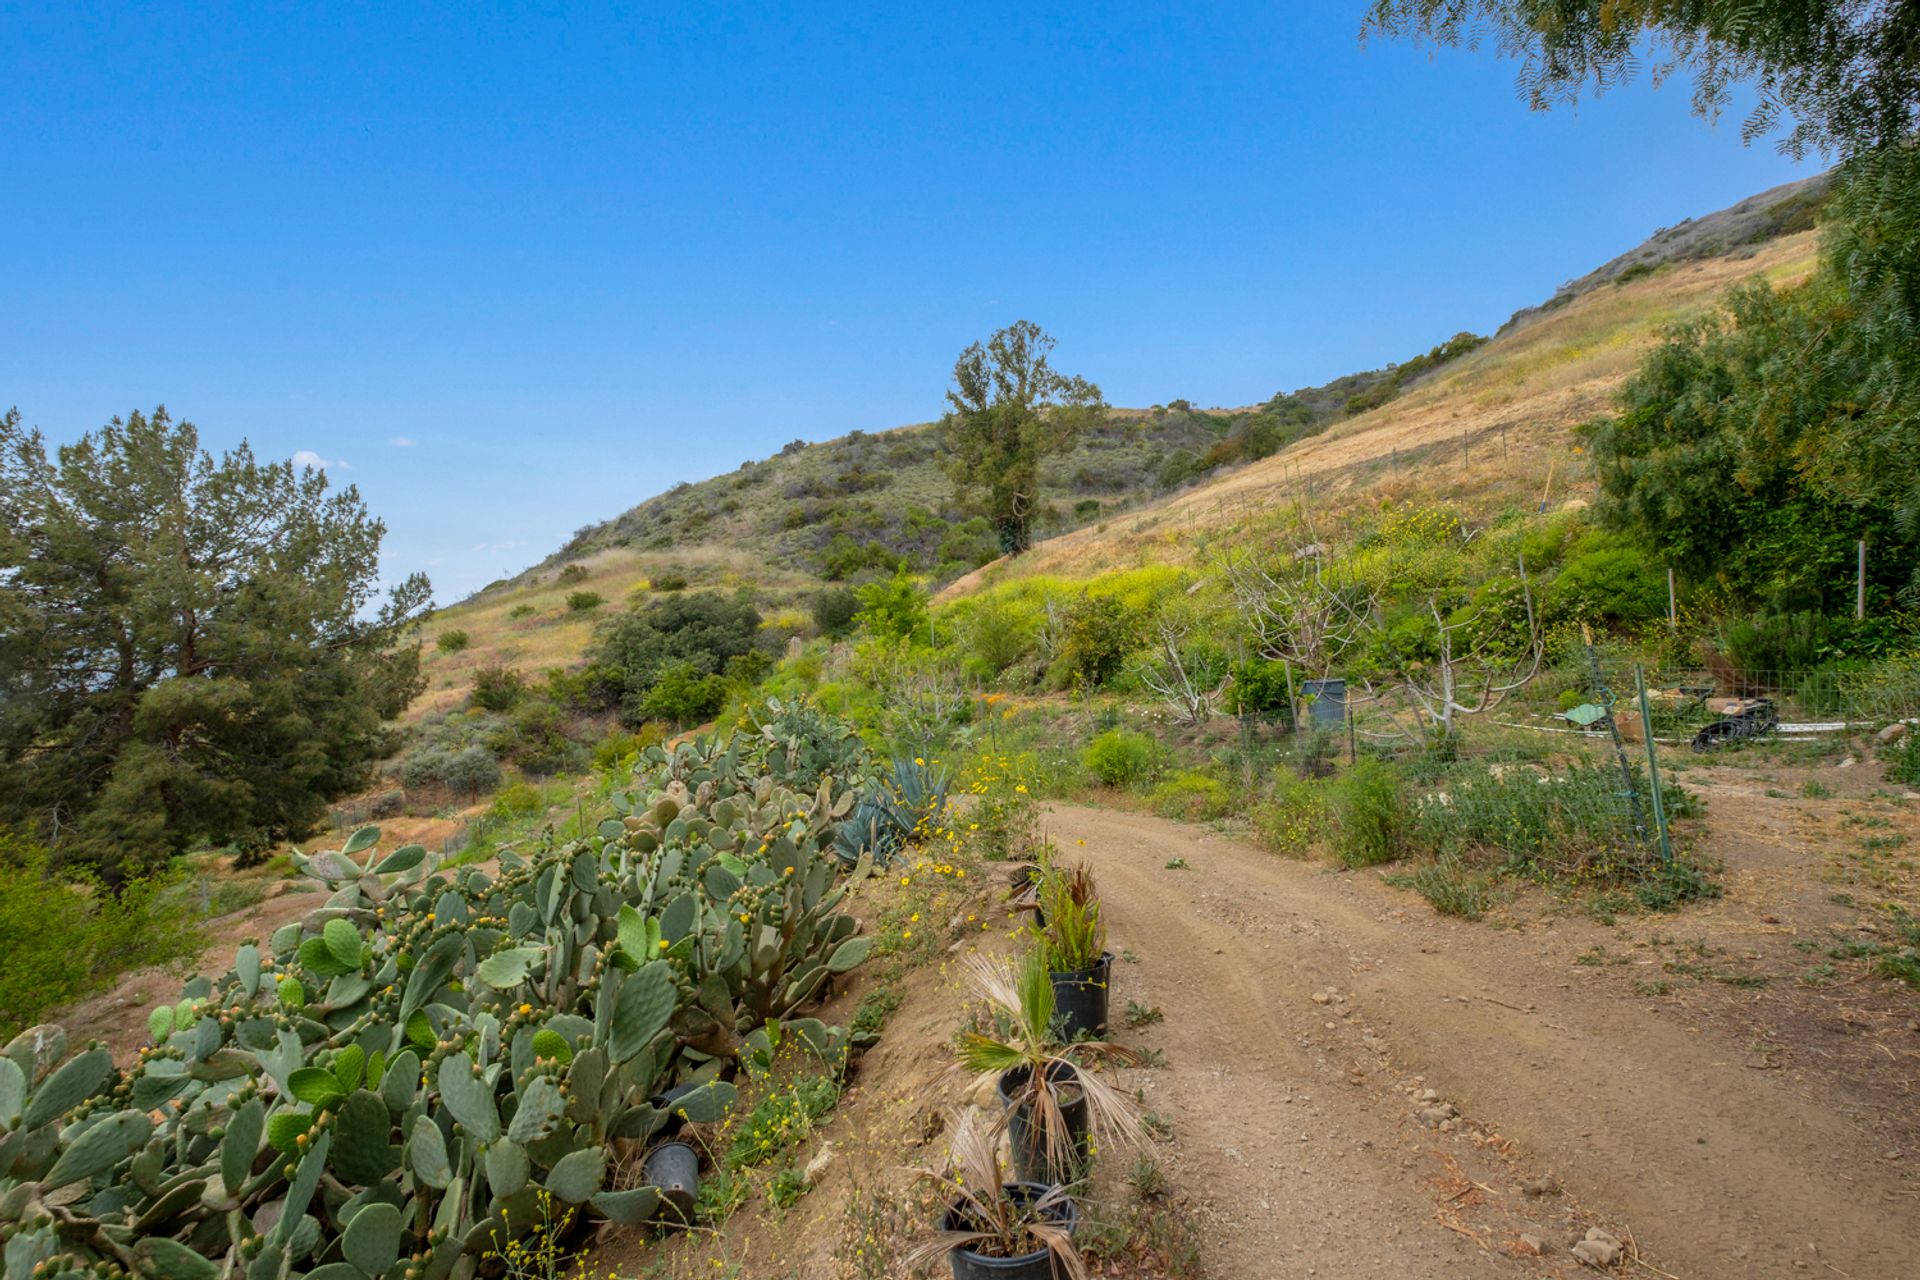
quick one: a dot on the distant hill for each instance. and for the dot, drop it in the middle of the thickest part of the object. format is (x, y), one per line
(1469, 417)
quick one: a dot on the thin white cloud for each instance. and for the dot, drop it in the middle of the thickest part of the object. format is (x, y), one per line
(403, 442)
(308, 458)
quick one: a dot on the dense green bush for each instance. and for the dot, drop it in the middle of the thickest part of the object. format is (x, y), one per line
(1122, 757)
(1260, 688)
(452, 641)
(893, 608)
(1608, 581)
(1369, 825)
(1740, 463)
(1778, 644)
(497, 687)
(703, 630)
(681, 695)
(1098, 634)
(521, 610)
(583, 601)
(834, 610)
(669, 581)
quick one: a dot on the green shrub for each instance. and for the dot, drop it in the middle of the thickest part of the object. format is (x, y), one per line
(616, 747)
(894, 608)
(1121, 757)
(572, 573)
(670, 581)
(1098, 636)
(1259, 688)
(1778, 643)
(452, 641)
(1369, 827)
(497, 687)
(1572, 821)
(1610, 582)
(471, 771)
(1191, 796)
(996, 636)
(1291, 819)
(834, 609)
(517, 800)
(582, 601)
(521, 610)
(541, 741)
(67, 938)
(681, 695)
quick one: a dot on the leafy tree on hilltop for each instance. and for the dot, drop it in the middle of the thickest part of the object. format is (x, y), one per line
(186, 649)
(1846, 71)
(1007, 411)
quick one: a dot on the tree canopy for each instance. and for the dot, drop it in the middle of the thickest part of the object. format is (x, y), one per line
(1846, 73)
(190, 648)
(1007, 411)
(1757, 445)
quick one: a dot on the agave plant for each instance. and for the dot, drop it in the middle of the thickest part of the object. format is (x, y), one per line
(991, 1215)
(1042, 1078)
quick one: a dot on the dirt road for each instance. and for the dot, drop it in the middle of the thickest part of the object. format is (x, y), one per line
(1299, 1125)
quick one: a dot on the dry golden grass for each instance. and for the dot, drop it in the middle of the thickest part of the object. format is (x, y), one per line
(1514, 403)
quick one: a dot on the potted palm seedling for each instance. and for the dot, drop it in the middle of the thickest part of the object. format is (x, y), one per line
(1072, 937)
(1053, 1103)
(996, 1226)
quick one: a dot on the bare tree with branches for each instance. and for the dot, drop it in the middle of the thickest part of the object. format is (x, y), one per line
(1170, 671)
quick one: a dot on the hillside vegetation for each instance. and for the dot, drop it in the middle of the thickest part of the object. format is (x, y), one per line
(1484, 418)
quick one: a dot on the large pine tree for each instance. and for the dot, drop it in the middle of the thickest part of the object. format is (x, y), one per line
(190, 648)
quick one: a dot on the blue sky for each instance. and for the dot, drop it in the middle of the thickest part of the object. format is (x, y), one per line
(512, 271)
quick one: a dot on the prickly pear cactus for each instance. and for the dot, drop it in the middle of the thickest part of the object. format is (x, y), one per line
(384, 1088)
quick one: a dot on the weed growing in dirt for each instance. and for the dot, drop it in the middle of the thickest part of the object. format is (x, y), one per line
(1814, 789)
(1668, 885)
(1451, 889)
(876, 1006)
(1176, 864)
(1140, 1015)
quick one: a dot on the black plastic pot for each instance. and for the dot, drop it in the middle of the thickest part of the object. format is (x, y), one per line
(1028, 1139)
(1080, 1000)
(674, 1167)
(968, 1265)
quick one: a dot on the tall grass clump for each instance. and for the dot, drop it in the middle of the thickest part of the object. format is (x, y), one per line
(1369, 827)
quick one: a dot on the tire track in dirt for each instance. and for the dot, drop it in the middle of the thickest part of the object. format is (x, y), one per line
(1654, 1127)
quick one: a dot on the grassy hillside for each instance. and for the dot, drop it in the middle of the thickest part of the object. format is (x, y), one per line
(1489, 421)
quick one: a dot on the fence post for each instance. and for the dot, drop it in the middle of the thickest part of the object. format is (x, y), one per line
(1860, 584)
(1673, 612)
(1653, 769)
